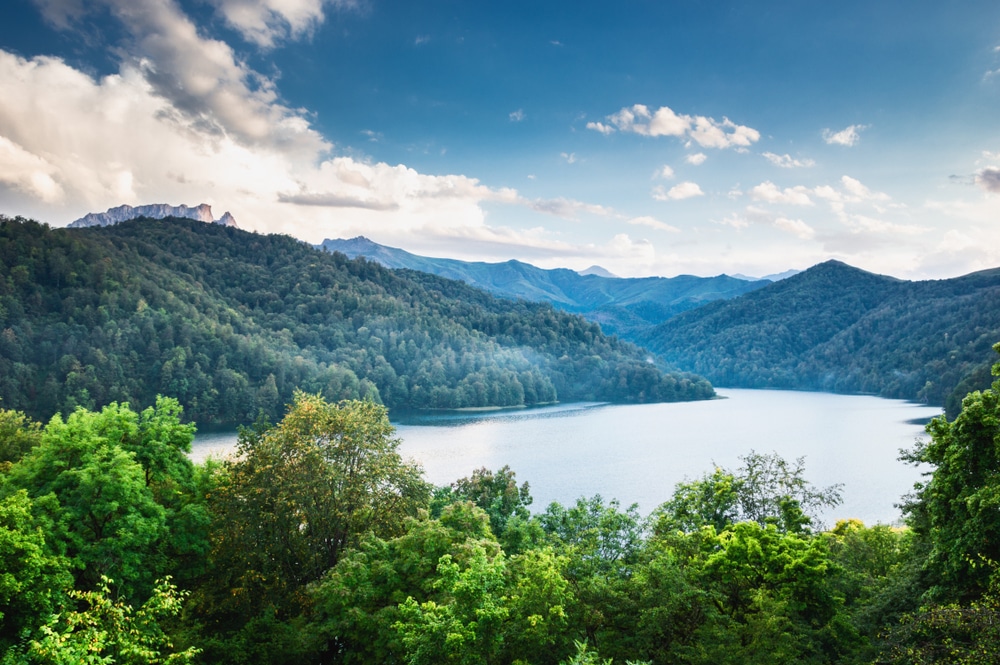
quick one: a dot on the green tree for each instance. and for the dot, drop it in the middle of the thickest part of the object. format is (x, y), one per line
(104, 516)
(958, 509)
(300, 493)
(765, 489)
(107, 631)
(33, 579)
(18, 435)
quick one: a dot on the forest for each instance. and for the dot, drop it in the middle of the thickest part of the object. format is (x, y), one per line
(837, 328)
(231, 323)
(318, 543)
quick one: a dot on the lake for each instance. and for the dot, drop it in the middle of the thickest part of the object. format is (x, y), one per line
(637, 453)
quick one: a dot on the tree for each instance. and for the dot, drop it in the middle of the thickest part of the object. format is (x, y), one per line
(32, 578)
(496, 493)
(300, 493)
(18, 435)
(104, 517)
(108, 631)
(958, 509)
(765, 489)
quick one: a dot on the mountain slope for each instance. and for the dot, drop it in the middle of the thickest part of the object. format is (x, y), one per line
(837, 328)
(622, 306)
(231, 322)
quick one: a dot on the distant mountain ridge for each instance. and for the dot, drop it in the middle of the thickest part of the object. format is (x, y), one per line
(622, 306)
(837, 328)
(123, 213)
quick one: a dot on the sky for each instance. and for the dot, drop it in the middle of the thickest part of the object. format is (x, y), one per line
(647, 137)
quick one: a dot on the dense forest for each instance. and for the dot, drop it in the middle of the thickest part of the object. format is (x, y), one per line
(231, 323)
(840, 329)
(318, 544)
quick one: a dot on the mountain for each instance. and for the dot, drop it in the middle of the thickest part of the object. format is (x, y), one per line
(231, 322)
(622, 306)
(123, 213)
(597, 270)
(837, 328)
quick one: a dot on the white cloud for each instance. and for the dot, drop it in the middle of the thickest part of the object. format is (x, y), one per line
(516, 116)
(796, 227)
(28, 172)
(600, 127)
(266, 22)
(770, 193)
(653, 223)
(696, 159)
(706, 132)
(786, 161)
(665, 172)
(570, 157)
(684, 190)
(848, 136)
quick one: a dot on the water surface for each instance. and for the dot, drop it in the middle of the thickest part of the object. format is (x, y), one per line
(637, 453)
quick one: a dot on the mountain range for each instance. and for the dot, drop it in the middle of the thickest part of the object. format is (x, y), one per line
(622, 306)
(837, 328)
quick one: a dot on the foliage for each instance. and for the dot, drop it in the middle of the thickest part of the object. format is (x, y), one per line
(32, 578)
(839, 329)
(298, 494)
(108, 631)
(231, 323)
(18, 435)
(766, 489)
(958, 509)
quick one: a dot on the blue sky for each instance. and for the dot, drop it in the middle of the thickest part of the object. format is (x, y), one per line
(647, 137)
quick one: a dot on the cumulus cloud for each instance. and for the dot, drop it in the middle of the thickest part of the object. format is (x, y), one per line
(989, 179)
(848, 136)
(786, 161)
(516, 116)
(684, 190)
(771, 193)
(697, 159)
(664, 121)
(570, 157)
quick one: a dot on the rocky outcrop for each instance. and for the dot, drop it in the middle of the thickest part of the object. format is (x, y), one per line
(202, 213)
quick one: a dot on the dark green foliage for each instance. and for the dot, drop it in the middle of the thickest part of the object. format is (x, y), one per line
(957, 510)
(231, 323)
(840, 329)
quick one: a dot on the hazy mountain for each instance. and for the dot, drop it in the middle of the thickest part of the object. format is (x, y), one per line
(837, 328)
(123, 213)
(597, 270)
(622, 306)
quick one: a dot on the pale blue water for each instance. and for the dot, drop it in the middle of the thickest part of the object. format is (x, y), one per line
(637, 453)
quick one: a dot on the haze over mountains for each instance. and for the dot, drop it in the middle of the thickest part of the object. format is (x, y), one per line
(622, 306)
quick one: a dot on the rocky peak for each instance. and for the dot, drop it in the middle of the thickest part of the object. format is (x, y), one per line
(202, 213)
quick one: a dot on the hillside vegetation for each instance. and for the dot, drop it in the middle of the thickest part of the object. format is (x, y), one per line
(841, 329)
(231, 322)
(622, 306)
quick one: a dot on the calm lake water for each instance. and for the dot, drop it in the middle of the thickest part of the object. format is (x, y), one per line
(637, 453)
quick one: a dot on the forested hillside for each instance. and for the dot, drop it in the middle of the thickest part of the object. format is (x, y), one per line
(841, 329)
(230, 322)
(622, 306)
